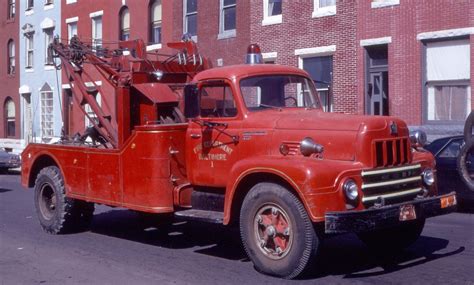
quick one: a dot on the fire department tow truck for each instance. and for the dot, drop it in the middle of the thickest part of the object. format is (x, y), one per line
(245, 145)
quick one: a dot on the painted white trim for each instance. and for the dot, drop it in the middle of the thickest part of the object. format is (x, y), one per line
(376, 41)
(47, 23)
(72, 20)
(386, 3)
(24, 89)
(48, 7)
(66, 86)
(316, 51)
(96, 14)
(29, 12)
(273, 20)
(269, 55)
(29, 70)
(71, 1)
(445, 33)
(88, 84)
(49, 67)
(153, 47)
(227, 34)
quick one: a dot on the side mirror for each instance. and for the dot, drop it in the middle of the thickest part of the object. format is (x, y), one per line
(191, 101)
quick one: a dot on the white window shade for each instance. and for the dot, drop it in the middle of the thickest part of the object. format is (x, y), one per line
(448, 60)
(156, 11)
(126, 20)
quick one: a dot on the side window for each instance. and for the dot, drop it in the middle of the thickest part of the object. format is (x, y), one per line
(452, 150)
(217, 101)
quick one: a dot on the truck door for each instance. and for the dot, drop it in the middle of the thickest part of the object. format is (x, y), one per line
(212, 140)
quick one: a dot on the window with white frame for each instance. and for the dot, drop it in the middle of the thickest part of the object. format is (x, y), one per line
(71, 30)
(11, 9)
(9, 117)
(272, 12)
(47, 108)
(124, 24)
(324, 8)
(155, 25)
(48, 39)
(11, 57)
(227, 17)
(448, 87)
(29, 50)
(190, 17)
(97, 32)
(29, 4)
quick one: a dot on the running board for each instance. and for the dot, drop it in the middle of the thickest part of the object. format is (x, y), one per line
(201, 215)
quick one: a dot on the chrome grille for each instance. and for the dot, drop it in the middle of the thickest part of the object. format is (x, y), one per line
(393, 185)
(391, 152)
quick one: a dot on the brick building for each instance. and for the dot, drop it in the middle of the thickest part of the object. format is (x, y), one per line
(221, 29)
(9, 79)
(409, 59)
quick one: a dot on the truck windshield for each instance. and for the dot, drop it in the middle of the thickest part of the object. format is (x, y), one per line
(280, 91)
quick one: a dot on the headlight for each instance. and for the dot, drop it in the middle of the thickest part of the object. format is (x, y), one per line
(351, 190)
(418, 138)
(428, 177)
(308, 147)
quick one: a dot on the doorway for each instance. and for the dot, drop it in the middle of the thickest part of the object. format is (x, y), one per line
(377, 95)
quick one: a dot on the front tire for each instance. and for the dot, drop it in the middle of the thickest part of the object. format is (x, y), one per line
(57, 213)
(395, 238)
(276, 231)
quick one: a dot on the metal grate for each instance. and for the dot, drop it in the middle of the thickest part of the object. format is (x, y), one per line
(391, 185)
(391, 152)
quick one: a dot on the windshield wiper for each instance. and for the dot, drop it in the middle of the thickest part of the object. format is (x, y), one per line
(269, 106)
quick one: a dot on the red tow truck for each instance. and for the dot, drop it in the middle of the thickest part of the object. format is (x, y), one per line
(246, 145)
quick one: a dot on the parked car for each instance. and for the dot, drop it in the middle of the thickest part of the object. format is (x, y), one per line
(8, 160)
(446, 150)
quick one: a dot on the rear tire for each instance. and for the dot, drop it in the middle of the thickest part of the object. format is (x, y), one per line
(57, 213)
(468, 127)
(276, 231)
(463, 171)
(395, 238)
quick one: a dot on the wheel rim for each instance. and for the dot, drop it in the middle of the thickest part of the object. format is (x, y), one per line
(47, 201)
(273, 231)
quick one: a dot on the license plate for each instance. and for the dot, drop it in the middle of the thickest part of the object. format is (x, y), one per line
(407, 213)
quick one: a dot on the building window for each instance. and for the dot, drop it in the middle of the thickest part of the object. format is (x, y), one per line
(11, 57)
(11, 9)
(48, 39)
(124, 24)
(272, 12)
(190, 17)
(29, 50)
(448, 88)
(320, 69)
(48, 2)
(97, 32)
(47, 109)
(155, 25)
(71, 30)
(9, 112)
(227, 18)
(324, 8)
(29, 4)
(91, 116)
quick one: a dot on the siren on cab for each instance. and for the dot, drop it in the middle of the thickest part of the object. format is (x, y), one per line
(254, 55)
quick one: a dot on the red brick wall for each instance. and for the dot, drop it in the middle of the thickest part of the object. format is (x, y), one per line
(403, 23)
(299, 30)
(10, 29)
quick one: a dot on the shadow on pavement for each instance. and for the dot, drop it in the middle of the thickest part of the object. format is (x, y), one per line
(340, 255)
(3, 190)
(10, 172)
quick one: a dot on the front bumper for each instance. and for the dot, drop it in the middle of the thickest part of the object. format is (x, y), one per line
(387, 216)
(10, 164)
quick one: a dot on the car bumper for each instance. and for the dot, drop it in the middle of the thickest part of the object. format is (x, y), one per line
(387, 216)
(9, 165)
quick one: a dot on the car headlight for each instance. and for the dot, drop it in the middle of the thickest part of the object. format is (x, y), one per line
(351, 190)
(418, 138)
(428, 177)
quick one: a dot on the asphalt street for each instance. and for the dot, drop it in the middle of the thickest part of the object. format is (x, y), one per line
(119, 249)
